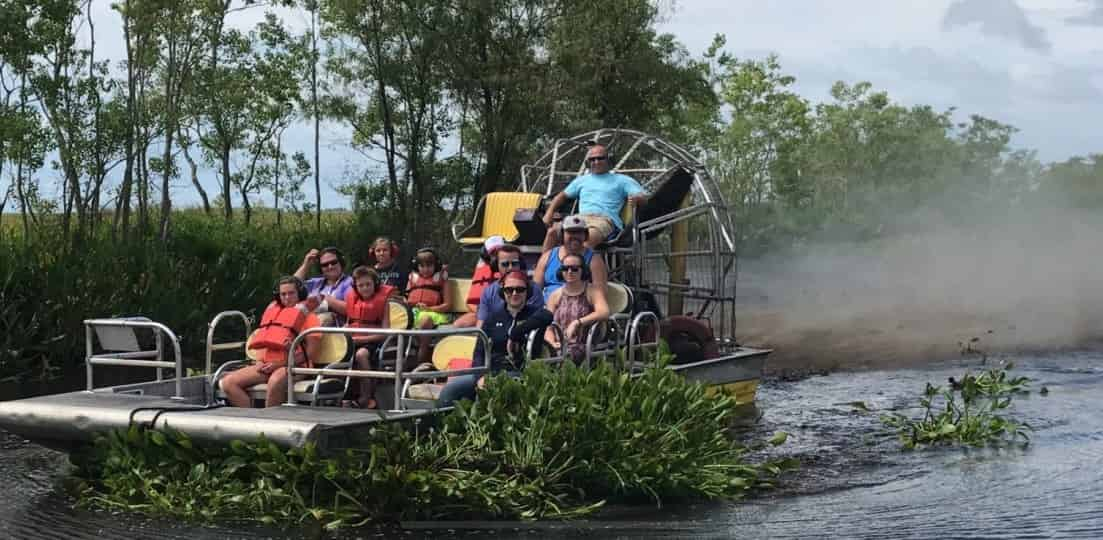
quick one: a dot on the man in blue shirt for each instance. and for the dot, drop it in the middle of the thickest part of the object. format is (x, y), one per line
(601, 197)
(508, 259)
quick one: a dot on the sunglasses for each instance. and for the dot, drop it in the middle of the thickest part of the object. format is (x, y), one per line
(510, 263)
(596, 158)
(572, 268)
(514, 290)
(327, 264)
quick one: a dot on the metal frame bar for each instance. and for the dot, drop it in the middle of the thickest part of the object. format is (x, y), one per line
(398, 374)
(228, 346)
(128, 359)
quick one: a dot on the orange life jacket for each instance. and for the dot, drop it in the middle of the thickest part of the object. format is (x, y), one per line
(483, 276)
(278, 327)
(367, 313)
(427, 290)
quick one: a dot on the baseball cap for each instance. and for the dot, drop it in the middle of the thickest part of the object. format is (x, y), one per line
(574, 223)
(492, 243)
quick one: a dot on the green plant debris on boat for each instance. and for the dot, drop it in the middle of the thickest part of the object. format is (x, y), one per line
(555, 443)
(969, 411)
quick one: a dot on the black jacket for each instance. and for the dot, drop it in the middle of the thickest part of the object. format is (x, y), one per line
(501, 326)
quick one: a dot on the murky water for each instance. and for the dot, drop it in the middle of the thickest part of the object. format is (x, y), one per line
(854, 481)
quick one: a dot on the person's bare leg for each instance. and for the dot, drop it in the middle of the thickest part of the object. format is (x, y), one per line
(424, 351)
(277, 388)
(367, 385)
(467, 320)
(235, 383)
(593, 238)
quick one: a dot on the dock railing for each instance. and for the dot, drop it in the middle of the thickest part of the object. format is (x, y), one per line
(136, 357)
(398, 375)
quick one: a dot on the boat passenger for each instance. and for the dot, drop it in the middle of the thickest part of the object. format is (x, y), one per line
(486, 272)
(575, 232)
(366, 306)
(507, 329)
(386, 264)
(576, 306)
(508, 258)
(429, 293)
(329, 288)
(601, 196)
(286, 317)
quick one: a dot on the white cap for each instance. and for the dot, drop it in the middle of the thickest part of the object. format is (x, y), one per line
(492, 243)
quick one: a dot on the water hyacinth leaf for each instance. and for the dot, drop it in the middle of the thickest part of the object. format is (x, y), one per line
(779, 438)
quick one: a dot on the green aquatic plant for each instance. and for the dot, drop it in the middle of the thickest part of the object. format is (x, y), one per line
(556, 443)
(969, 411)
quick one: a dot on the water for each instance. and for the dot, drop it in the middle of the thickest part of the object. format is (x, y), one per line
(854, 481)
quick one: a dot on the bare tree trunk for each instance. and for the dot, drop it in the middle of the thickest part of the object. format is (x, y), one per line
(195, 179)
(317, 125)
(276, 180)
(170, 130)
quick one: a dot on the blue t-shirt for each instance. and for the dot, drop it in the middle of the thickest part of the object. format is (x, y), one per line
(603, 194)
(490, 301)
(551, 270)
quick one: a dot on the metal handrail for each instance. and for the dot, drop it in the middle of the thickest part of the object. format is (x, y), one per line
(398, 365)
(211, 346)
(126, 359)
(634, 334)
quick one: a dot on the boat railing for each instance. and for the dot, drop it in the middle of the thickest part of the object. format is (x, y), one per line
(137, 357)
(212, 347)
(398, 374)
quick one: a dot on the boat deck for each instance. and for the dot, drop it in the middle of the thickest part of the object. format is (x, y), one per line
(64, 420)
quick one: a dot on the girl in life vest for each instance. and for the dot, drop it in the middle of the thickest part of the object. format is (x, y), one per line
(286, 317)
(486, 272)
(430, 295)
(366, 306)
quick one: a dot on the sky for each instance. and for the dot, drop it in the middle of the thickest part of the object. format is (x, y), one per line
(1035, 64)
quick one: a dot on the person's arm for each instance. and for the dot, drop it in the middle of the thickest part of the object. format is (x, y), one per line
(553, 300)
(308, 260)
(385, 322)
(555, 203)
(601, 306)
(446, 298)
(599, 273)
(538, 321)
(541, 265)
(338, 305)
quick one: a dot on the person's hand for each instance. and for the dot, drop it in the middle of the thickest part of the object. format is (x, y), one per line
(311, 303)
(548, 219)
(572, 329)
(481, 383)
(266, 368)
(513, 347)
(421, 305)
(311, 256)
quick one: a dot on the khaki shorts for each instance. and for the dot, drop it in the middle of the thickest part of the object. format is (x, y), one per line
(603, 226)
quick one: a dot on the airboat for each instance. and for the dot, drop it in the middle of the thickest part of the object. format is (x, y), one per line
(672, 280)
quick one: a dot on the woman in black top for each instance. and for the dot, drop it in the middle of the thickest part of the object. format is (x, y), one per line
(507, 329)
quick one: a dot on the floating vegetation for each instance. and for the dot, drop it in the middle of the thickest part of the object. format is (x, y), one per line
(969, 411)
(556, 443)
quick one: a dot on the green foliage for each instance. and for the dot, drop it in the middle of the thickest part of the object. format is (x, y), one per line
(206, 267)
(971, 413)
(553, 444)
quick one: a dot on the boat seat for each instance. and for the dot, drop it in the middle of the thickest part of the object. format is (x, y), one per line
(451, 352)
(494, 216)
(333, 349)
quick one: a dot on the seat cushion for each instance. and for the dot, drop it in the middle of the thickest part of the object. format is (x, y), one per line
(303, 389)
(427, 391)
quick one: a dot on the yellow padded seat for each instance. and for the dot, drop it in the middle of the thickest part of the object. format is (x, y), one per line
(497, 219)
(460, 288)
(399, 315)
(453, 347)
(617, 296)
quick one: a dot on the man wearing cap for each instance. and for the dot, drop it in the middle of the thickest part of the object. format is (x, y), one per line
(601, 196)
(484, 274)
(575, 233)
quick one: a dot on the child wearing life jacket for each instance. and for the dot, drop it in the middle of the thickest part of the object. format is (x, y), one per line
(485, 273)
(287, 316)
(366, 307)
(429, 294)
